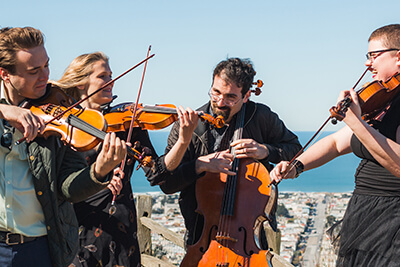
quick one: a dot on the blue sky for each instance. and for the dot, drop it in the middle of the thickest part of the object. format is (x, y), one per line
(306, 52)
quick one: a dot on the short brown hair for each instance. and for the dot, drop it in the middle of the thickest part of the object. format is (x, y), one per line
(13, 40)
(389, 34)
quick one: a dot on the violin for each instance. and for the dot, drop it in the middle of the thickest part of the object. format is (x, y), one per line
(150, 117)
(156, 117)
(81, 129)
(374, 98)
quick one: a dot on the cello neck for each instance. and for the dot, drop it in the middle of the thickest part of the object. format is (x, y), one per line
(228, 204)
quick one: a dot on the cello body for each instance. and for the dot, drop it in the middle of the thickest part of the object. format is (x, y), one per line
(238, 243)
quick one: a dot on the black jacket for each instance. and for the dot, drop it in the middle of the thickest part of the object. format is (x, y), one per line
(261, 125)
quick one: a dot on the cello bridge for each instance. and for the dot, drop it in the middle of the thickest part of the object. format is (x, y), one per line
(223, 238)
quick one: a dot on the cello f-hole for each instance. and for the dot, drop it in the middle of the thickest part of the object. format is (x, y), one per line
(203, 250)
(245, 241)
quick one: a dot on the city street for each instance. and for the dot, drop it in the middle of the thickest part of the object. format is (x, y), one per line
(310, 257)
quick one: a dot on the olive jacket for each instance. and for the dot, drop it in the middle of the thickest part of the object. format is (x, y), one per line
(61, 176)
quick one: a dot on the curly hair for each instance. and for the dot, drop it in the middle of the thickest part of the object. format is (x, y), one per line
(237, 71)
(13, 40)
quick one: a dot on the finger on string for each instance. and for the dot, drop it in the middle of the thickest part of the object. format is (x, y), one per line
(106, 143)
(180, 112)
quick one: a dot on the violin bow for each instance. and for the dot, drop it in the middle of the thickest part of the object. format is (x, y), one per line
(90, 95)
(312, 138)
(122, 166)
(104, 86)
(137, 101)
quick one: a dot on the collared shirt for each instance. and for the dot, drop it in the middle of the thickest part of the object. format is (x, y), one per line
(20, 210)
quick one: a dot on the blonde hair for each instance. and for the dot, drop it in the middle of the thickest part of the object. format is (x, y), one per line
(78, 72)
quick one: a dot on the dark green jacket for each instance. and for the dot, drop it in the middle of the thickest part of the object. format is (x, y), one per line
(61, 176)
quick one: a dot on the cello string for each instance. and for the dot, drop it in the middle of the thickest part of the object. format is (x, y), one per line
(231, 187)
(234, 179)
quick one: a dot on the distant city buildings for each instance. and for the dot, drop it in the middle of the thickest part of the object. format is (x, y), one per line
(303, 225)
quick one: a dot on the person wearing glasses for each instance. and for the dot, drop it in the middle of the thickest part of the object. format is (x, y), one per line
(370, 229)
(40, 178)
(265, 138)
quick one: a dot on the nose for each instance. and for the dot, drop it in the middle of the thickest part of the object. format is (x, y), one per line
(368, 62)
(44, 74)
(221, 102)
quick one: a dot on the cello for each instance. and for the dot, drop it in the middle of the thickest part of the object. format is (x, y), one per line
(232, 231)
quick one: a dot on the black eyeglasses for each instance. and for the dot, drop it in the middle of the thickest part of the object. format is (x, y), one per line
(376, 53)
(7, 137)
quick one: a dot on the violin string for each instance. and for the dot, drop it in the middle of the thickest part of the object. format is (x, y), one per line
(95, 92)
(74, 121)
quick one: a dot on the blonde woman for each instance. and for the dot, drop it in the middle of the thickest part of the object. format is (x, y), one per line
(107, 233)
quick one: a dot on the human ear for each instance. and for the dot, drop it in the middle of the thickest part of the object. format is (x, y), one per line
(4, 74)
(398, 58)
(246, 96)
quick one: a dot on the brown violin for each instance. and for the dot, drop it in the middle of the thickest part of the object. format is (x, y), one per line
(374, 98)
(149, 117)
(82, 129)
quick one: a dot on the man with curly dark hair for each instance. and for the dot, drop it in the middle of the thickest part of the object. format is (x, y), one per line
(265, 138)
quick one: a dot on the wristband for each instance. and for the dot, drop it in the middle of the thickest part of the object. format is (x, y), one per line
(299, 166)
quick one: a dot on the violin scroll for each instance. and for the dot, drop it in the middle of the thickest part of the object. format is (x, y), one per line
(143, 158)
(217, 121)
(338, 112)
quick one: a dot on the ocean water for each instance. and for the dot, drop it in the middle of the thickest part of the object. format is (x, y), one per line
(335, 176)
